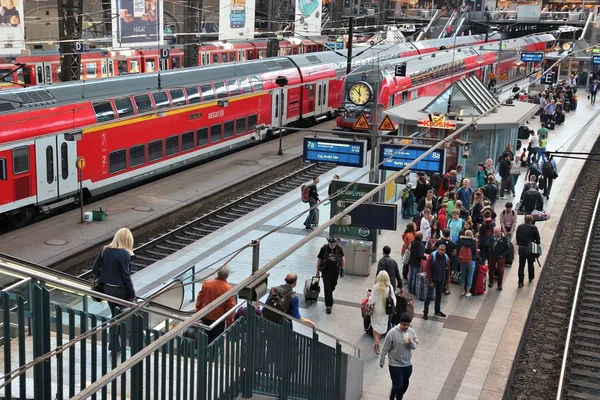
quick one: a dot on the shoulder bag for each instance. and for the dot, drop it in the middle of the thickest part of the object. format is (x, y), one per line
(534, 249)
(390, 306)
(406, 255)
(96, 285)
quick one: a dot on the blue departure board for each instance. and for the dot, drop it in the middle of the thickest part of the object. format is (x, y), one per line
(434, 162)
(532, 57)
(346, 152)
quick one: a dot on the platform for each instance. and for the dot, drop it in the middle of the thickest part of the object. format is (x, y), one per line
(465, 356)
(146, 203)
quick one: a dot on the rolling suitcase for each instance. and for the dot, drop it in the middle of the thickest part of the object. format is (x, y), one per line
(510, 258)
(421, 287)
(312, 289)
(550, 125)
(315, 221)
(404, 303)
(568, 106)
(479, 280)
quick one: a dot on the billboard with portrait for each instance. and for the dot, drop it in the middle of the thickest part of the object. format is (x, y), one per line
(236, 19)
(11, 26)
(308, 17)
(138, 23)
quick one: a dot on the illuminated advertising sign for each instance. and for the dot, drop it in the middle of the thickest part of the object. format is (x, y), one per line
(12, 26)
(236, 19)
(432, 163)
(439, 123)
(138, 23)
(308, 17)
(346, 152)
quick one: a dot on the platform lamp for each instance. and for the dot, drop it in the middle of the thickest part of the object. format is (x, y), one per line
(281, 81)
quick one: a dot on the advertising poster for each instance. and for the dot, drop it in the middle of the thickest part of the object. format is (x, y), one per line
(138, 23)
(308, 17)
(11, 26)
(236, 19)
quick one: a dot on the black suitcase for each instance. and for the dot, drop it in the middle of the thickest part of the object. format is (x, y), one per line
(544, 117)
(560, 118)
(312, 289)
(550, 125)
(567, 106)
(510, 258)
(367, 325)
(315, 221)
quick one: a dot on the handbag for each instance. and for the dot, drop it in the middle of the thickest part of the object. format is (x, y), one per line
(538, 215)
(406, 255)
(97, 286)
(534, 249)
(390, 306)
(368, 310)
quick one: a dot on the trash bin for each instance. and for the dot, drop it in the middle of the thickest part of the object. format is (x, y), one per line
(358, 256)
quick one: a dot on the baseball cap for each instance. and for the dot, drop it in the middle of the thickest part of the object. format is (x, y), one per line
(331, 239)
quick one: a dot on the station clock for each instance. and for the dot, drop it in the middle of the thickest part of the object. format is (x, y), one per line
(360, 93)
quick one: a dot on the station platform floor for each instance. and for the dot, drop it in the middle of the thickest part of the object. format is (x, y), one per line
(57, 238)
(467, 355)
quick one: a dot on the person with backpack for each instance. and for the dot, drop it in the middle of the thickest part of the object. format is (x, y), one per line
(549, 173)
(465, 192)
(408, 199)
(389, 265)
(467, 256)
(211, 290)
(417, 254)
(498, 252)
(446, 240)
(486, 231)
(442, 216)
(532, 200)
(284, 299)
(429, 201)
(490, 191)
(447, 180)
(310, 195)
(504, 171)
(480, 176)
(330, 264)
(407, 238)
(380, 319)
(437, 270)
(508, 220)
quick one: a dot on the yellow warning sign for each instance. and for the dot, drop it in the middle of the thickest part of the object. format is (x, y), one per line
(386, 125)
(362, 124)
(504, 76)
(491, 76)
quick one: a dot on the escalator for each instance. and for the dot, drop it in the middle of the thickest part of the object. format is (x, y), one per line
(438, 31)
(459, 26)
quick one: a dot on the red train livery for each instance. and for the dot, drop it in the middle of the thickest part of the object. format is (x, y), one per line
(135, 127)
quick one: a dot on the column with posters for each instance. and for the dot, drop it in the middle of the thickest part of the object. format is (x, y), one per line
(236, 19)
(11, 27)
(308, 17)
(138, 23)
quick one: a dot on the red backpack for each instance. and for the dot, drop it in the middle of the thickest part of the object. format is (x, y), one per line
(465, 255)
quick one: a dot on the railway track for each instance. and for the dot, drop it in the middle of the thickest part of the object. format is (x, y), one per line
(538, 366)
(184, 235)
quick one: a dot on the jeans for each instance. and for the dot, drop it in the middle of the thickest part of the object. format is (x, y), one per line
(541, 152)
(412, 278)
(514, 178)
(504, 185)
(438, 286)
(400, 379)
(330, 278)
(548, 187)
(120, 293)
(466, 275)
(311, 215)
(496, 262)
(534, 151)
(593, 98)
(524, 258)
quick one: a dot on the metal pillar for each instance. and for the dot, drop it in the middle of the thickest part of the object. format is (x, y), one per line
(255, 255)
(350, 45)
(192, 24)
(70, 14)
(107, 18)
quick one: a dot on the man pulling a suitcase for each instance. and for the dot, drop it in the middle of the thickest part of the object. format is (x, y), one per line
(330, 264)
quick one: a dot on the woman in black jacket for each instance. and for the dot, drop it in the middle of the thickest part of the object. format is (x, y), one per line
(417, 254)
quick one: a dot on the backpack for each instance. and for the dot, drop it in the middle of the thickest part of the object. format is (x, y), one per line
(404, 195)
(281, 302)
(465, 255)
(304, 193)
(547, 169)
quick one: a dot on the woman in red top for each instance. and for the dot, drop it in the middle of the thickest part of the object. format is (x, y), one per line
(407, 237)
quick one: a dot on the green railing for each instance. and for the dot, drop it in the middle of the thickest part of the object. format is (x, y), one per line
(56, 351)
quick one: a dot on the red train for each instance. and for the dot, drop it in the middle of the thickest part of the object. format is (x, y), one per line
(136, 127)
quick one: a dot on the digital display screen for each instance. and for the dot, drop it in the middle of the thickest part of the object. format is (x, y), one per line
(349, 153)
(434, 162)
(532, 57)
(595, 60)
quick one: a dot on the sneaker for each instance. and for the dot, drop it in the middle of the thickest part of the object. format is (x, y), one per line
(440, 314)
(521, 285)
(462, 293)
(425, 317)
(499, 288)
(328, 310)
(531, 280)
(468, 295)
(490, 284)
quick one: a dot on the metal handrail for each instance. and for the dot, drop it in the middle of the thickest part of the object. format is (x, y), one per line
(590, 18)
(427, 29)
(449, 22)
(39, 267)
(459, 25)
(563, 367)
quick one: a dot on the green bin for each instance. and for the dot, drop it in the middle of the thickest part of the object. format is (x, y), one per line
(98, 215)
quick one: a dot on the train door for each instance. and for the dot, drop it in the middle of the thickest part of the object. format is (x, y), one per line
(322, 97)
(278, 100)
(43, 73)
(240, 55)
(66, 155)
(55, 167)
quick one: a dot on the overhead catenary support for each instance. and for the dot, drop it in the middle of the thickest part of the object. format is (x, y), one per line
(192, 24)
(69, 24)
(107, 18)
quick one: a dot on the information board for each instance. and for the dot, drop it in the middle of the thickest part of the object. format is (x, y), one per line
(532, 57)
(434, 162)
(348, 194)
(595, 60)
(345, 152)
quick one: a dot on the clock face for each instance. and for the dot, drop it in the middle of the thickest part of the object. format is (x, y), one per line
(360, 93)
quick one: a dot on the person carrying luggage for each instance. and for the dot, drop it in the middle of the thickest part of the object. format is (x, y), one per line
(527, 233)
(331, 263)
(467, 256)
(381, 293)
(532, 200)
(417, 254)
(437, 269)
(284, 299)
(313, 200)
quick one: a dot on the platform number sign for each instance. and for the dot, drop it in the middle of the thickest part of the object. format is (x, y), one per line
(164, 54)
(400, 69)
(79, 47)
(548, 78)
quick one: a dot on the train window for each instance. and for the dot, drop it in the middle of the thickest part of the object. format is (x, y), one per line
(220, 90)
(202, 137)
(150, 66)
(233, 86)
(177, 97)
(104, 112)
(134, 66)
(224, 57)
(143, 103)
(193, 94)
(245, 85)
(117, 161)
(110, 68)
(49, 164)
(252, 121)
(3, 170)
(295, 50)
(161, 99)
(155, 150)
(216, 133)
(240, 126)
(207, 92)
(215, 58)
(6, 75)
(256, 83)
(175, 62)
(232, 56)
(122, 67)
(172, 145)
(64, 161)
(187, 141)
(124, 107)
(20, 160)
(91, 71)
(137, 155)
(40, 75)
(307, 49)
(228, 130)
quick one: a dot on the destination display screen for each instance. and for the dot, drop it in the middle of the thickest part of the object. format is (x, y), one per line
(532, 57)
(345, 152)
(432, 163)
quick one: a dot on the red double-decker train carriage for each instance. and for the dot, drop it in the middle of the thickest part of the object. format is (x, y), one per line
(137, 127)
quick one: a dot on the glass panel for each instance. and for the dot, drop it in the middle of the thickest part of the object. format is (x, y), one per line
(215, 133)
(104, 112)
(220, 90)
(3, 170)
(202, 137)
(134, 66)
(137, 155)
(224, 57)
(143, 103)
(90, 70)
(155, 150)
(172, 145)
(480, 151)
(150, 66)
(252, 121)
(117, 161)
(256, 83)
(193, 94)
(161, 99)
(49, 164)
(124, 107)
(122, 67)
(187, 141)
(64, 160)
(207, 92)
(177, 97)
(245, 85)
(20, 160)
(240, 126)
(233, 86)
(228, 129)
(215, 58)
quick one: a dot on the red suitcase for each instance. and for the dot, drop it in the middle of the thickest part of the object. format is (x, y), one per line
(479, 280)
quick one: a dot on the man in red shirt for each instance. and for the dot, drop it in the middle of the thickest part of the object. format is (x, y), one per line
(211, 290)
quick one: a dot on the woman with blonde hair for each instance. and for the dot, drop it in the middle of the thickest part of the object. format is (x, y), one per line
(112, 267)
(380, 319)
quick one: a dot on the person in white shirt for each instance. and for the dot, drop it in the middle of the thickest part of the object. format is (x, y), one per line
(425, 223)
